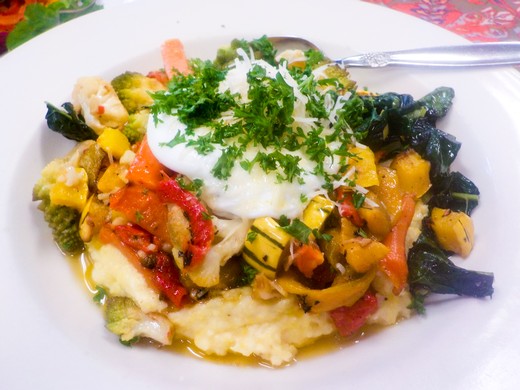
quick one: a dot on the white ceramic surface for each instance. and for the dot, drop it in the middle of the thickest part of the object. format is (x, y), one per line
(52, 333)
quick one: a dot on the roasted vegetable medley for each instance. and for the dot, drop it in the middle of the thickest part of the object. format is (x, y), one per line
(257, 203)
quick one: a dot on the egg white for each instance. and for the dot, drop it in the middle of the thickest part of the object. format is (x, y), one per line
(244, 194)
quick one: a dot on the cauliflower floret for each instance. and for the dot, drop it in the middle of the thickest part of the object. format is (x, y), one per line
(99, 104)
(232, 234)
(235, 322)
(114, 272)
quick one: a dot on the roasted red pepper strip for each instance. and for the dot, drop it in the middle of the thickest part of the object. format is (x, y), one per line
(201, 226)
(134, 241)
(349, 320)
(142, 207)
(137, 238)
(167, 278)
(347, 208)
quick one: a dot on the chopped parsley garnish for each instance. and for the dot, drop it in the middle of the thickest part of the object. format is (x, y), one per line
(289, 114)
(358, 199)
(251, 236)
(296, 228)
(194, 186)
(100, 295)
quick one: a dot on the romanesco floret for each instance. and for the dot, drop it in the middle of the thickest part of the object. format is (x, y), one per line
(262, 48)
(133, 89)
(135, 128)
(63, 220)
(343, 76)
(125, 319)
(64, 224)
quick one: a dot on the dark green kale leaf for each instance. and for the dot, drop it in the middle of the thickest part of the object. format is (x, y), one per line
(68, 123)
(394, 122)
(455, 192)
(383, 121)
(398, 119)
(431, 271)
(437, 102)
(434, 145)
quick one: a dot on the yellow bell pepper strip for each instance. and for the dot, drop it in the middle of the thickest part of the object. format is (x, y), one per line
(201, 226)
(345, 293)
(348, 320)
(394, 264)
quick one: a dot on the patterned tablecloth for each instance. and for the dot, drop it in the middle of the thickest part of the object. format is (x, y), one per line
(476, 20)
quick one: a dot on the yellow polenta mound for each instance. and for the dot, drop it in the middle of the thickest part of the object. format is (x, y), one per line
(236, 323)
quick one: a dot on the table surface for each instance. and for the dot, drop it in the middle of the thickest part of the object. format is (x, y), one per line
(476, 20)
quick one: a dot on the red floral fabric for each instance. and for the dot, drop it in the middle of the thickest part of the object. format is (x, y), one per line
(477, 20)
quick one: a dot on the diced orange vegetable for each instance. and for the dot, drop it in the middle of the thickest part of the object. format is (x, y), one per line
(389, 191)
(112, 179)
(413, 172)
(365, 164)
(364, 253)
(394, 263)
(307, 257)
(454, 230)
(174, 58)
(146, 170)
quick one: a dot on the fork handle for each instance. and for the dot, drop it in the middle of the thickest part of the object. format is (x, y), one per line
(472, 55)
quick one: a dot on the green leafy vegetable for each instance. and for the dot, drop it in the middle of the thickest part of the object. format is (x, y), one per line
(39, 18)
(455, 192)
(68, 123)
(431, 271)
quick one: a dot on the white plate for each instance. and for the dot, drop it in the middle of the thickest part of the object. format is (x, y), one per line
(52, 333)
